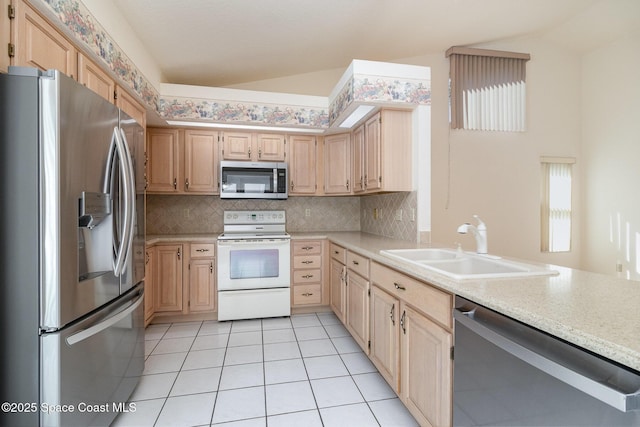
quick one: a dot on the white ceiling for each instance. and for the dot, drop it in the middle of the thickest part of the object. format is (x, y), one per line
(226, 42)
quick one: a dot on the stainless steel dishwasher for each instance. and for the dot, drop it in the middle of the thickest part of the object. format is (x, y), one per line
(507, 373)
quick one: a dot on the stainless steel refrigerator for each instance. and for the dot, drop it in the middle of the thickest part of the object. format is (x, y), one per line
(72, 260)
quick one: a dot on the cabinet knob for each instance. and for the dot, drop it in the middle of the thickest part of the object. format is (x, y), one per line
(356, 263)
(175, 184)
(186, 183)
(292, 185)
(179, 253)
(249, 153)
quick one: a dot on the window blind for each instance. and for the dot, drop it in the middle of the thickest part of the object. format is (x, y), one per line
(487, 89)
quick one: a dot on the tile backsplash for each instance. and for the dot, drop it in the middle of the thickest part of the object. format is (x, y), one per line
(173, 214)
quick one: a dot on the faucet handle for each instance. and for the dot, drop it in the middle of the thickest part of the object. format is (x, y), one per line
(481, 224)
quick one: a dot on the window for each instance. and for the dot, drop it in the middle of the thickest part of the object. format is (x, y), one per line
(487, 89)
(556, 204)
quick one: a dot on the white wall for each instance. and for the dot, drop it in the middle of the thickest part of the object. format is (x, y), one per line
(496, 175)
(111, 19)
(611, 154)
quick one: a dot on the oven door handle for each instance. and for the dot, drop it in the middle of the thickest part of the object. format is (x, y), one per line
(531, 352)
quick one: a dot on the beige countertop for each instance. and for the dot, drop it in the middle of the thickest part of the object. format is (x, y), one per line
(597, 312)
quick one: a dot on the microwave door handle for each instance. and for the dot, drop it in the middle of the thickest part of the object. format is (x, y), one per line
(275, 180)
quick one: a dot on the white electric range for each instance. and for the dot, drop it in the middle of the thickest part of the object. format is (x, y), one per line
(254, 259)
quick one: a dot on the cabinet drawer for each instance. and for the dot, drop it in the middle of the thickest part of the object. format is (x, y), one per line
(358, 263)
(422, 296)
(307, 247)
(306, 294)
(307, 276)
(307, 261)
(338, 253)
(203, 250)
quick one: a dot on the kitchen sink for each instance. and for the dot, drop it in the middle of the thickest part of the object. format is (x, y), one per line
(465, 265)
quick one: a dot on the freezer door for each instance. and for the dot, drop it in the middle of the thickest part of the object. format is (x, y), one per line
(76, 224)
(94, 364)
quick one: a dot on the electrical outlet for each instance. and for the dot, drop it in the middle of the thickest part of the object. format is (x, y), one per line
(185, 213)
(307, 212)
(398, 214)
(413, 214)
(375, 213)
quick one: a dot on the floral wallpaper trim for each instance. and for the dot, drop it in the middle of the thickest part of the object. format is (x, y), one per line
(80, 22)
(378, 89)
(173, 108)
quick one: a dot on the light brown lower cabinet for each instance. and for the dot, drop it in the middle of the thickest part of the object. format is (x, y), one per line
(150, 255)
(411, 341)
(357, 312)
(167, 280)
(202, 273)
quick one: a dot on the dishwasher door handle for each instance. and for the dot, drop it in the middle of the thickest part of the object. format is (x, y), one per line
(617, 399)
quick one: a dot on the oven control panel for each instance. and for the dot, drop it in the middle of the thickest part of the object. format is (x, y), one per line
(254, 217)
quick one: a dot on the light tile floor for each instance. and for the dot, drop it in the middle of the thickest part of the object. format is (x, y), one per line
(305, 370)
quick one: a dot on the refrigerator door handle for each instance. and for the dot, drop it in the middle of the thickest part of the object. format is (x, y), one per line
(117, 152)
(130, 201)
(105, 324)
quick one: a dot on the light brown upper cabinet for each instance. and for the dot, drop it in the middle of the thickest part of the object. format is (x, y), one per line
(38, 44)
(163, 167)
(254, 147)
(382, 153)
(182, 161)
(129, 105)
(303, 160)
(200, 161)
(337, 164)
(92, 76)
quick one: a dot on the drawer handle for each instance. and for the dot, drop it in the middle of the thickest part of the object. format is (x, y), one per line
(307, 294)
(404, 329)
(308, 248)
(356, 262)
(307, 262)
(392, 315)
(336, 252)
(307, 276)
(402, 288)
(202, 250)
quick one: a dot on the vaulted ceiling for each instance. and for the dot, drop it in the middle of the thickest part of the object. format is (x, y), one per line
(227, 42)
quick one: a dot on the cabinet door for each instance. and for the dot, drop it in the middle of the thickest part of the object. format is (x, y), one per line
(149, 285)
(92, 76)
(337, 163)
(338, 289)
(5, 34)
(129, 105)
(358, 309)
(426, 369)
(358, 159)
(384, 335)
(303, 159)
(39, 44)
(202, 291)
(200, 158)
(372, 163)
(271, 147)
(168, 278)
(237, 146)
(163, 167)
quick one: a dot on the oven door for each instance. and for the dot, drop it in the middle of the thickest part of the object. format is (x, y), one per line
(253, 264)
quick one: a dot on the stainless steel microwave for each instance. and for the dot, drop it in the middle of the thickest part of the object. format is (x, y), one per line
(253, 180)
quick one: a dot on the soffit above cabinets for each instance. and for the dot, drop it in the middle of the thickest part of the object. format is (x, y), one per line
(377, 84)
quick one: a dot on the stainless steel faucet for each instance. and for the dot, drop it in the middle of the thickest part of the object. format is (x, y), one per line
(479, 232)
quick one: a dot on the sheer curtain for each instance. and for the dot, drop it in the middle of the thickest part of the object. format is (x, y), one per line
(556, 205)
(487, 89)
